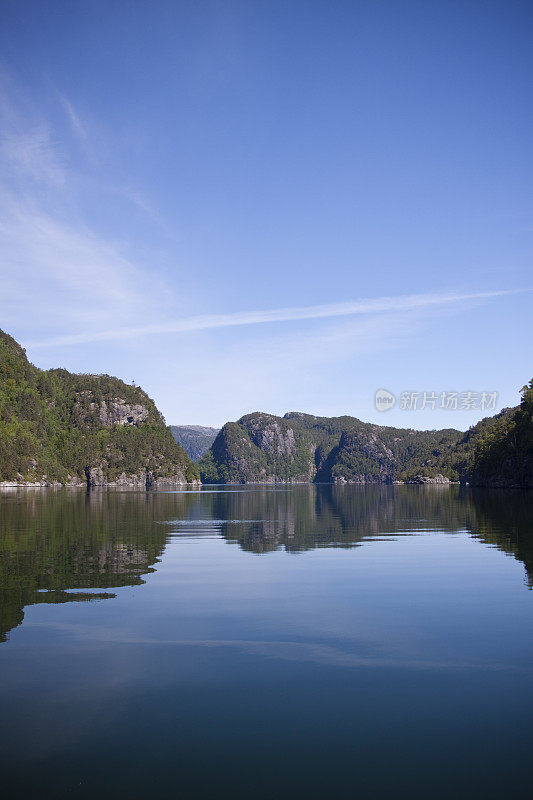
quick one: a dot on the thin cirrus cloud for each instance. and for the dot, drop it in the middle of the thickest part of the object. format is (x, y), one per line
(378, 305)
(57, 267)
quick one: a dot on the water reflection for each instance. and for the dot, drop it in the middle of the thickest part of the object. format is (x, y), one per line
(51, 542)
(54, 545)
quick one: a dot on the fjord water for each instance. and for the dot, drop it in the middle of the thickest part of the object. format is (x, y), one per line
(280, 642)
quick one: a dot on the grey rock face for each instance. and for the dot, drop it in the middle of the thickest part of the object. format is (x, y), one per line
(44, 483)
(118, 412)
(369, 445)
(172, 482)
(360, 480)
(135, 481)
(427, 479)
(108, 413)
(75, 481)
(271, 437)
(300, 447)
(95, 476)
(277, 442)
(144, 479)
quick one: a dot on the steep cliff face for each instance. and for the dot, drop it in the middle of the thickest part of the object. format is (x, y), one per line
(498, 451)
(302, 448)
(362, 457)
(56, 427)
(260, 448)
(116, 411)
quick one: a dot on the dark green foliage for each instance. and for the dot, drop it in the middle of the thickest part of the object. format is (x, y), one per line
(498, 451)
(51, 425)
(72, 540)
(300, 448)
(504, 448)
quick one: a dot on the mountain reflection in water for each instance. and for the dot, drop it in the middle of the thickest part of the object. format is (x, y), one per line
(66, 546)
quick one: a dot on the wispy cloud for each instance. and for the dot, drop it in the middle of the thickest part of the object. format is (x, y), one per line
(74, 118)
(30, 153)
(286, 650)
(378, 305)
(78, 277)
(59, 272)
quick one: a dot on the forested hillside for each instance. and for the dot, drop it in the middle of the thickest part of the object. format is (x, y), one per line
(300, 447)
(60, 427)
(504, 449)
(95, 429)
(498, 451)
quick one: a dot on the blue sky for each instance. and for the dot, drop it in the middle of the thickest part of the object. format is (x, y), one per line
(271, 206)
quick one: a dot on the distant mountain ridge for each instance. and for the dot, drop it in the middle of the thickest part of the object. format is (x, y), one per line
(95, 430)
(195, 439)
(263, 448)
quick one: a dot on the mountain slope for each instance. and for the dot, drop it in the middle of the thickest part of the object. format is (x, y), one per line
(60, 427)
(302, 448)
(262, 448)
(195, 439)
(504, 448)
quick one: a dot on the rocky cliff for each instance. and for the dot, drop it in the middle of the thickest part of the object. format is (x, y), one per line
(261, 448)
(77, 430)
(301, 448)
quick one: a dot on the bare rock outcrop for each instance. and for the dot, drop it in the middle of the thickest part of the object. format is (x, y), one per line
(425, 479)
(87, 410)
(118, 412)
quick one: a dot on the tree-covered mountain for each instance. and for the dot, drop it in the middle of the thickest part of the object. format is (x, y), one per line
(258, 448)
(301, 448)
(503, 454)
(95, 429)
(195, 439)
(72, 429)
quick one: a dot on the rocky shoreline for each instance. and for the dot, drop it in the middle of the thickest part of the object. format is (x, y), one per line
(143, 480)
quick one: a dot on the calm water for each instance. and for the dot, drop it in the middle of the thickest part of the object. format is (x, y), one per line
(312, 642)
